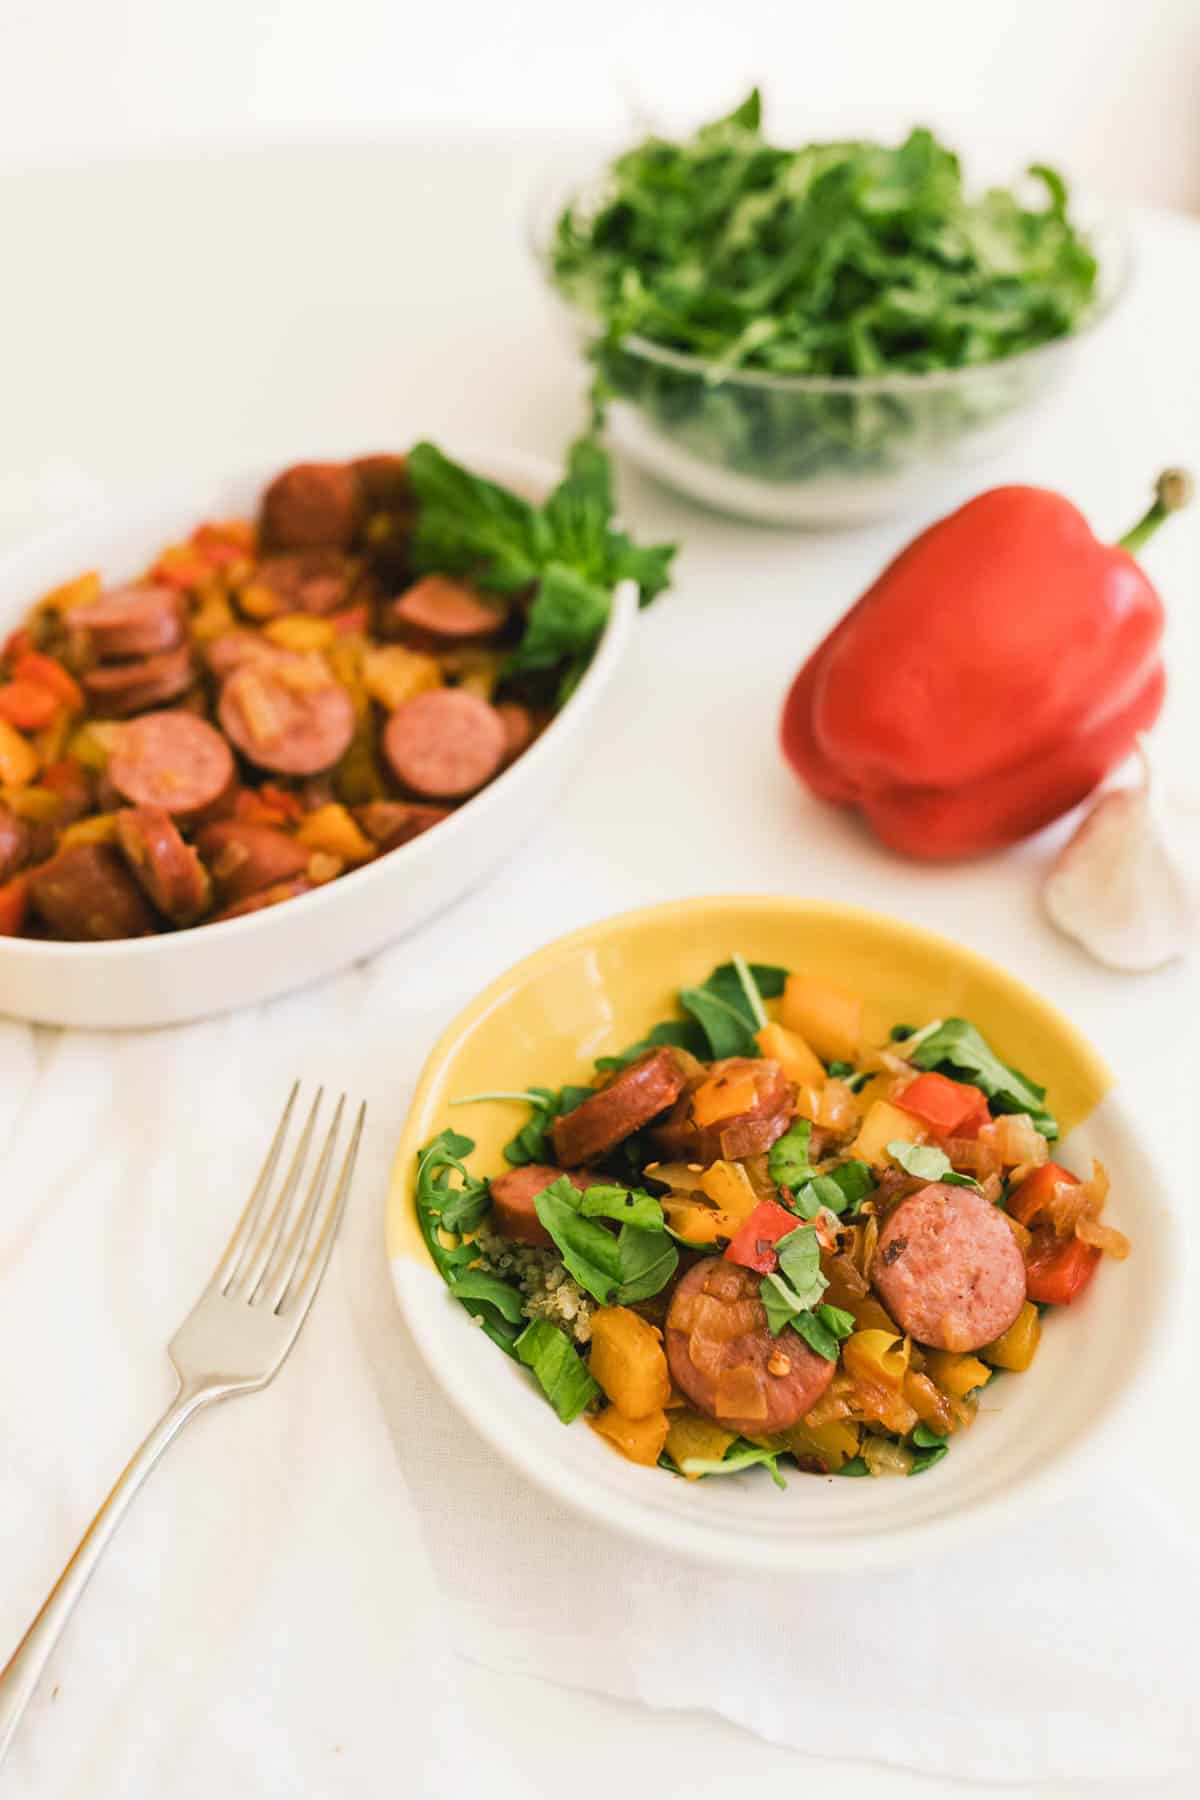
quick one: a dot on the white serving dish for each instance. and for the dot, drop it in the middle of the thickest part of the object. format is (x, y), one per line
(213, 968)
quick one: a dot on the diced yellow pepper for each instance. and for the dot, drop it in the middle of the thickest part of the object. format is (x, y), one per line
(323, 867)
(690, 1435)
(827, 1016)
(629, 1362)
(18, 758)
(641, 1440)
(300, 631)
(789, 1049)
(332, 829)
(882, 1125)
(36, 803)
(51, 741)
(258, 601)
(831, 1444)
(80, 592)
(93, 744)
(697, 1224)
(875, 1357)
(101, 828)
(393, 674)
(1017, 1347)
(729, 1187)
(723, 1097)
(212, 618)
(956, 1372)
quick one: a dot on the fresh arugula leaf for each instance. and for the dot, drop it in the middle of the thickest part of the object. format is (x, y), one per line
(928, 1163)
(559, 1368)
(853, 1467)
(816, 1334)
(635, 1264)
(723, 1010)
(925, 1459)
(683, 1034)
(927, 1439)
(787, 1160)
(531, 1143)
(740, 1455)
(443, 1208)
(626, 1206)
(960, 1051)
(837, 1321)
(855, 1180)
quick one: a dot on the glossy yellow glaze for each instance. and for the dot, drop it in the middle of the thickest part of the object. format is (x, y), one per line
(546, 1019)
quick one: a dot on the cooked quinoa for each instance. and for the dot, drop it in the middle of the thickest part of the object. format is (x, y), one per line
(548, 1290)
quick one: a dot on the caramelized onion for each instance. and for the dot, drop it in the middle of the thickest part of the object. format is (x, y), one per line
(1107, 1238)
(883, 1457)
(740, 1393)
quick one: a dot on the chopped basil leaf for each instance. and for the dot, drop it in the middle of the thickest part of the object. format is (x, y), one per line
(855, 1180)
(648, 1261)
(800, 1264)
(927, 1439)
(959, 1050)
(837, 1320)
(787, 1163)
(855, 1466)
(816, 1335)
(928, 1163)
(559, 1368)
(635, 1264)
(822, 1191)
(740, 1455)
(627, 1206)
(925, 1459)
(721, 1007)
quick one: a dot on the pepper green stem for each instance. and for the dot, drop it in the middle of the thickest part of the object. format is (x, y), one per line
(1172, 491)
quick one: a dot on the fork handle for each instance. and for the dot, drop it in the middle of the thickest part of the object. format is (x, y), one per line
(22, 1673)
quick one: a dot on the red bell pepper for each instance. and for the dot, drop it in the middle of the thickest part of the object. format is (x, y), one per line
(1027, 1202)
(989, 679)
(953, 1108)
(27, 705)
(49, 673)
(753, 1244)
(1058, 1269)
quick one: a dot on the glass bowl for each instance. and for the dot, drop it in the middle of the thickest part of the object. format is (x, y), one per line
(821, 450)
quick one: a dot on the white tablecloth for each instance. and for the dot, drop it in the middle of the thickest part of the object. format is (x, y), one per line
(268, 1616)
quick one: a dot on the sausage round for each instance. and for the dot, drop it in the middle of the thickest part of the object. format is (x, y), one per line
(87, 894)
(445, 744)
(313, 581)
(168, 869)
(748, 1133)
(232, 649)
(383, 478)
(244, 859)
(520, 728)
(948, 1268)
(390, 823)
(173, 760)
(720, 1351)
(631, 1099)
(272, 896)
(312, 506)
(514, 1213)
(15, 840)
(118, 689)
(287, 714)
(438, 610)
(139, 620)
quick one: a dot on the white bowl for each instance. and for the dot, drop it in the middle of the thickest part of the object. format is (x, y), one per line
(1037, 1434)
(212, 968)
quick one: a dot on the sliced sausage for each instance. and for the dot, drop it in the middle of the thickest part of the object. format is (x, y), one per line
(272, 896)
(168, 869)
(87, 894)
(243, 859)
(312, 506)
(15, 843)
(438, 610)
(289, 714)
(313, 581)
(520, 728)
(514, 1213)
(172, 760)
(71, 783)
(948, 1268)
(746, 1133)
(232, 649)
(116, 690)
(390, 823)
(721, 1353)
(444, 744)
(139, 620)
(631, 1099)
(383, 479)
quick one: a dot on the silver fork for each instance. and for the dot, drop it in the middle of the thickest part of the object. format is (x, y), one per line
(235, 1340)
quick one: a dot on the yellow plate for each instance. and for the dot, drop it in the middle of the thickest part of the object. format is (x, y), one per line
(547, 1019)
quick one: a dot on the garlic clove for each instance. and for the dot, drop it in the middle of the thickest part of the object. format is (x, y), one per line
(1123, 886)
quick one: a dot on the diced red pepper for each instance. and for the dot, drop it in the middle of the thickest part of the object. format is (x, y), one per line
(49, 673)
(753, 1244)
(27, 705)
(251, 809)
(288, 805)
(1035, 1193)
(1058, 1269)
(221, 544)
(14, 903)
(953, 1108)
(351, 618)
(180, 567)
(18, 643)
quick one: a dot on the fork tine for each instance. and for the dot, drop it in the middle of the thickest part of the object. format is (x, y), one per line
(227, 1268)
(267, 1239)
(300, 1298)
(286, 1260)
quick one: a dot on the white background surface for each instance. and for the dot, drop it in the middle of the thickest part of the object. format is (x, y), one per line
(194, 311)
